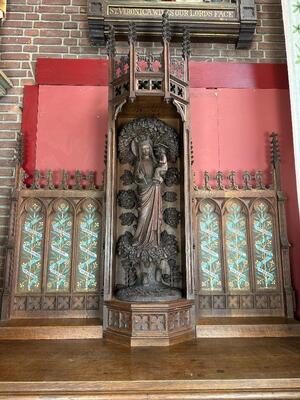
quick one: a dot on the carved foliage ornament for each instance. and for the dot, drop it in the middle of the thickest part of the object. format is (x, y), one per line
(157, 131)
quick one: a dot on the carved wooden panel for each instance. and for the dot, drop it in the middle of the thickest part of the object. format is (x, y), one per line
(238, 263)
(57, 235)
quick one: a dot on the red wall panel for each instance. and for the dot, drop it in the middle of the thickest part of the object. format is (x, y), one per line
(72, 123)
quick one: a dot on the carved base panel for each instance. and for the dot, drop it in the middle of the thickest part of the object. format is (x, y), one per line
(149, 324)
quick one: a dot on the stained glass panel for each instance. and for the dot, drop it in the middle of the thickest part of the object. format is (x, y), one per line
(31, 251)
(60, 249)
(87, 269)
(236, 246)
(265, 267)
(210, 259)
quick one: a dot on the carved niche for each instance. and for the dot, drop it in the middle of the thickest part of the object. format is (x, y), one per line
(147, 242)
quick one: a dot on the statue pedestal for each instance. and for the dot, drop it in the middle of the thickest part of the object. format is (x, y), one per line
(149, 324)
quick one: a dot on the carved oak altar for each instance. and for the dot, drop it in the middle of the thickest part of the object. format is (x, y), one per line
(148, 260)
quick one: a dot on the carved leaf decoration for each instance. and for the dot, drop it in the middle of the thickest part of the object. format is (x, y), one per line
(167, 250)
(127, 218)
(157, 131)
(127, 199)
(170, 197)
(172, 177)
(127, 178)
(171, 217)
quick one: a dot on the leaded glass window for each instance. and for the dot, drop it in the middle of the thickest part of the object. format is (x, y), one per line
(60, 248)
(236, 247)
(87, 268)
(264, 259)
(210, 254)
(31, 250)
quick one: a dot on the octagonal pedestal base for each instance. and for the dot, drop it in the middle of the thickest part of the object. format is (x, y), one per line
(149, 324)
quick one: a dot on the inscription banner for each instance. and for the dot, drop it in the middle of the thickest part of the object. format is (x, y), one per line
(223, 20)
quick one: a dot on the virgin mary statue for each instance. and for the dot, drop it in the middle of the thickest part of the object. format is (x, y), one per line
(148, 177)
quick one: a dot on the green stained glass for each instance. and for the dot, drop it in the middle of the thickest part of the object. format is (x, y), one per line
(87, 270)
(265, 267)
(60, 249)
(210, 264)
(236, 246)
(31, 252)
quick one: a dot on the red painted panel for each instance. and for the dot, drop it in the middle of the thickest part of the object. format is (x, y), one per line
(53, 71)
(72, 124)
(230, 131)
(29, 126)
(237, 75)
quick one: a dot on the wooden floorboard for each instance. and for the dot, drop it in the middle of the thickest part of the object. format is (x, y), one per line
(201, 369)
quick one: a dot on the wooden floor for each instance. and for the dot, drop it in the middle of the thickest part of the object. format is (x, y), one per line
(240, 368)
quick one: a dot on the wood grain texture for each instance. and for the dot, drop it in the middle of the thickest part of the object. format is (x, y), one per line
(200, 369)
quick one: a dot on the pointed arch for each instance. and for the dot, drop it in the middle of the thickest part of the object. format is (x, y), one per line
(59, 258)
(29, 279)
(236, 222)
(210, 247)
(264, 253)
(88, 246)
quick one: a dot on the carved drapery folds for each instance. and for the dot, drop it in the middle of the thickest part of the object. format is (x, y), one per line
(147, 148)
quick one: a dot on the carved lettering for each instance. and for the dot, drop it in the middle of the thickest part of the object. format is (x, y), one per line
(173, 13)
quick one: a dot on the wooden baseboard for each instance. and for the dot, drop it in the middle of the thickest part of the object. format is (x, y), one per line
(247, 328)
(51, 329)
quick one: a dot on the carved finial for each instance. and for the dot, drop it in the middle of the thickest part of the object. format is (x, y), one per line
(132, 37)
(19, 152)
(275, 151)
(166, 29)
(219, 179)
(49, 180)
(259, 180)
(64, 180)
(192, 153)
(111, 42)
(186, 43)
(78, 178)
(91, 180)
(247, 178)
(231, 177)
(36, 180)
(206, 185)
(21, 181)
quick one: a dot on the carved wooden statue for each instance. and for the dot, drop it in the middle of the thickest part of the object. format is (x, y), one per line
(146, 248)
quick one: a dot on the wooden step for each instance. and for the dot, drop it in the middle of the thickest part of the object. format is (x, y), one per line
(29, 329)
(247, 327)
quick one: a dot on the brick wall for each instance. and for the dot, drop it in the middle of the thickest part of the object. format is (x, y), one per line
(58, 28)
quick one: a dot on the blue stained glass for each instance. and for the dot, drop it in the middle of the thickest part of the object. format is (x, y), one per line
(87, 270)
(60, 249)
(31, 252)
(236, 246)
(265, 267)
(210, 263)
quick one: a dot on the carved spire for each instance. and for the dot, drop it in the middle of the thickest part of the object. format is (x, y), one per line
(111, 42)
(275, 151)
(186, 43)
(166, 28)
(132, 36)
(19, 152)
